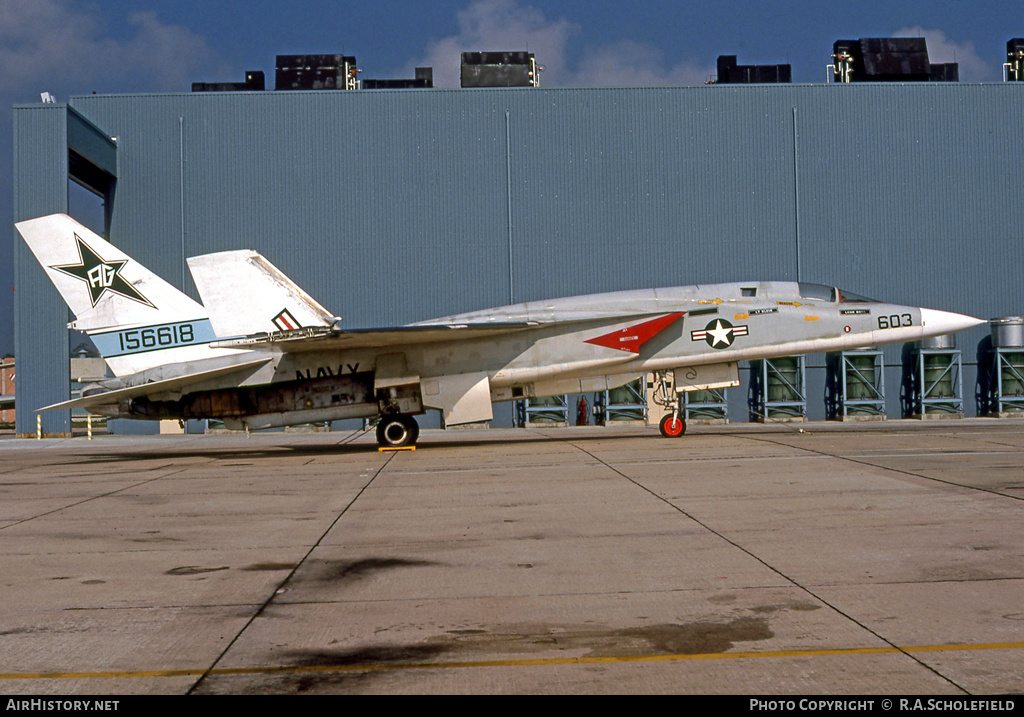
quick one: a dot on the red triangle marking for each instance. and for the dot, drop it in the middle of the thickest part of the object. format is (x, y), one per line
(632, 338)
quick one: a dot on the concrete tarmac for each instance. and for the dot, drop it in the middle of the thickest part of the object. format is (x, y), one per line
(864, 559)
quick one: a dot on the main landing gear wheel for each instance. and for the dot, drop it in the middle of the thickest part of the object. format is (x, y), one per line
(672, 426)
(396, 430)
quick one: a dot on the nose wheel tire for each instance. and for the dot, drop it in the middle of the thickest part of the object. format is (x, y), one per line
(672, 426)
(397, 430)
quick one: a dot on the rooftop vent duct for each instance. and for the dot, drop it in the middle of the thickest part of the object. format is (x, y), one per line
(894, 59)
(316, 72)
(499, 69)
(424, 80)
(1015, 60)
(254, 82)
(729, 73)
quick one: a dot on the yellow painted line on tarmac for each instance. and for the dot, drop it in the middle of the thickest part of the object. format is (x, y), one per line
(537, 662)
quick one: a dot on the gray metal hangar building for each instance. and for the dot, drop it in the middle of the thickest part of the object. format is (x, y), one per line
(392, 206)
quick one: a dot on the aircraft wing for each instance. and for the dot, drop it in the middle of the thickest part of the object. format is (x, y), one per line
(144, 389)
(316, 338)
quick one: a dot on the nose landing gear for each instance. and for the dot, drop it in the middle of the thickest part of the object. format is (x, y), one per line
(673, 424)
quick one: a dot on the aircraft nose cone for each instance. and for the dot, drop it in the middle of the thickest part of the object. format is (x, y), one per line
(937, 323)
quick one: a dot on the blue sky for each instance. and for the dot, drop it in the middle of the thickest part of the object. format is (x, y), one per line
(69, 47)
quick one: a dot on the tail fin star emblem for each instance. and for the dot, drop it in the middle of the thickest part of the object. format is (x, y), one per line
(100, 275)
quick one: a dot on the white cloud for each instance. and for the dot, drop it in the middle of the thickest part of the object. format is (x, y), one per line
(503, 25)
(500, 25)
(64, 46)
(941, 49)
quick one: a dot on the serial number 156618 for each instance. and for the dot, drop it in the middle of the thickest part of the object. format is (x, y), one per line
(156, 337)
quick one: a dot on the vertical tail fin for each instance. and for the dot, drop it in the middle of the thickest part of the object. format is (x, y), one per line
(246, 294)
(136, 319)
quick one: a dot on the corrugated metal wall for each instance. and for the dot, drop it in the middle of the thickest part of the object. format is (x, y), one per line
(394, 206)
(40, 316)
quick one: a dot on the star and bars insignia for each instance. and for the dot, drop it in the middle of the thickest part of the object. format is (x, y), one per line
(719, 334)
(100, 275)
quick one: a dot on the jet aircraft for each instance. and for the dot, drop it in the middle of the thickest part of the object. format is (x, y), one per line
(261, 353)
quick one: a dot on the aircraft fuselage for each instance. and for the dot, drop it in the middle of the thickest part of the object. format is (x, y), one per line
(574, 345)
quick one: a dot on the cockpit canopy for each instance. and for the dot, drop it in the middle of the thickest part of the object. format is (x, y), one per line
(820, 292)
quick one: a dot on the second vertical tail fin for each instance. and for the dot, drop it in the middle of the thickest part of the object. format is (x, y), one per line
(246, 294)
